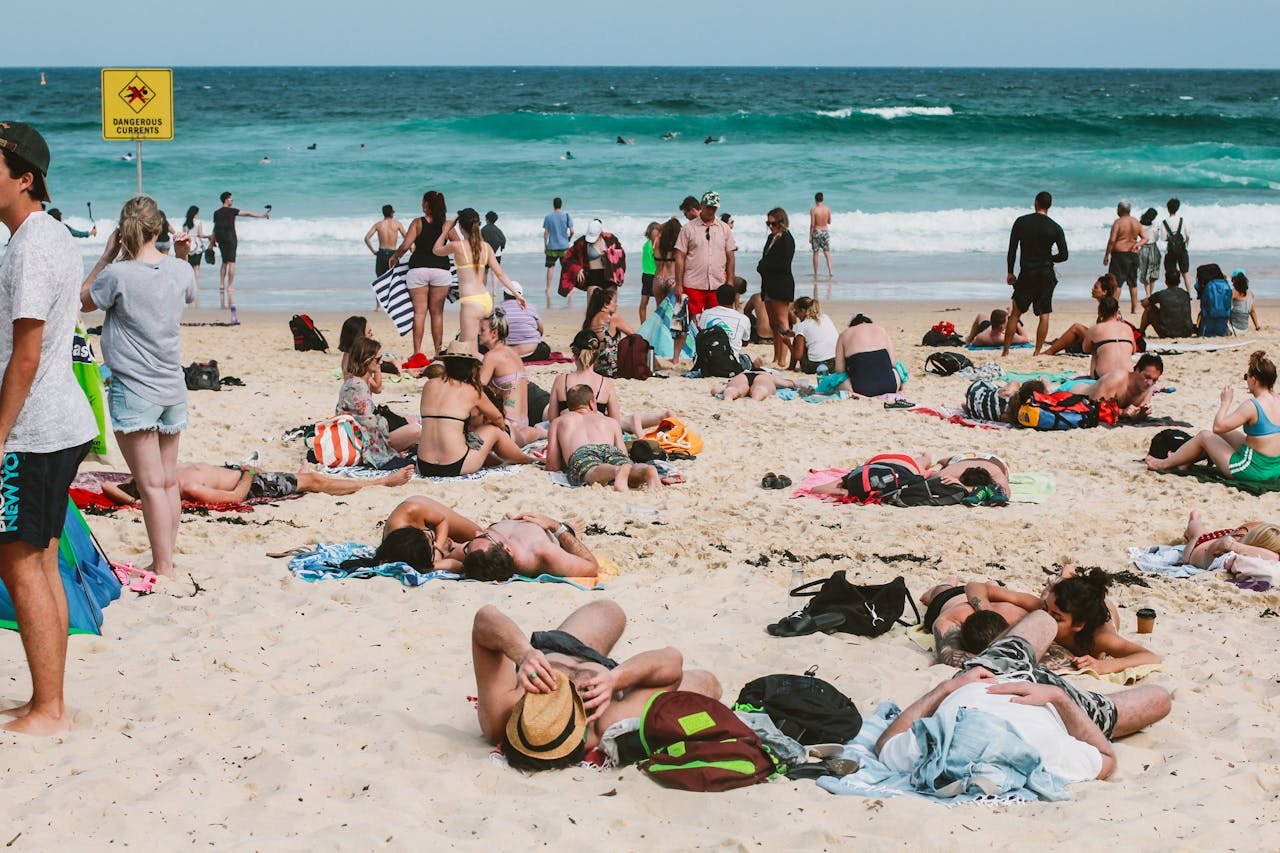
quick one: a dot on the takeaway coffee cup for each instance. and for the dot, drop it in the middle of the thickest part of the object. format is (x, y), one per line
(1146, 620)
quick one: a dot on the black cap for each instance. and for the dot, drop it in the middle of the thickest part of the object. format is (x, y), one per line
(24, 141)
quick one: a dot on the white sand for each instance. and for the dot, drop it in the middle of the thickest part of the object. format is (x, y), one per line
(268, 713)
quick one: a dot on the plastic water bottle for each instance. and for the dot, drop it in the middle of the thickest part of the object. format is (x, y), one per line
(235, 320)
(797, 580)
(822, 370)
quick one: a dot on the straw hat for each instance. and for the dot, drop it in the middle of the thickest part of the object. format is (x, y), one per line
(548, 726)
(459, 349)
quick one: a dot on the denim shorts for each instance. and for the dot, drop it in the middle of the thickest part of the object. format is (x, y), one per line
(132, 413)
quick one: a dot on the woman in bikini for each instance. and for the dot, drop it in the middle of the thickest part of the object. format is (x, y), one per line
(603, 320)
(1245, 441)
(756, 383)
(471, 256)
(502, 373)
(1071, 340)
(1110, 340)
(596, 259)
(428, 279)
(422, 532)
(1256, 540)
(448, 447)
(586, 349)
(1086, 620)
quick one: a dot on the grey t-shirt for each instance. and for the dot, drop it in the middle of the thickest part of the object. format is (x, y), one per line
(144, 303)
(40, 277)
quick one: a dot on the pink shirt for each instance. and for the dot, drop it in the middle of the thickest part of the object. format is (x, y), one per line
(706, 247)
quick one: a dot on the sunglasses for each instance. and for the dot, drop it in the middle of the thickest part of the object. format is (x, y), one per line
(771, 222)
(708, 233)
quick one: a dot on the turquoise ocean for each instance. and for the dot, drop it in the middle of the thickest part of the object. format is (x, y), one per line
(924, 168)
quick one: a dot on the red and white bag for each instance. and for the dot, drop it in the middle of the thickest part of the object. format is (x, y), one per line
(337, 442)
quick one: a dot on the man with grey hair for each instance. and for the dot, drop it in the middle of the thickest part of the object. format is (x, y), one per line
(1121, 256)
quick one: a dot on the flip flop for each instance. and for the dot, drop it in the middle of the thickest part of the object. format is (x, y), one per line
(801, 624)
(769, 481)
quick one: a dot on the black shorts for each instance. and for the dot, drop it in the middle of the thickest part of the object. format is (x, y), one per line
(227, 248)
(33, 494)
(1034, 290)
(1124, 266)
(646, 284)
(934, 609)
(194, 259)
(381, 260)
(1176, 259)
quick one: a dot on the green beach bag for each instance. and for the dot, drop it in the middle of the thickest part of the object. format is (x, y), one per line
(695, 743)
(90, 379)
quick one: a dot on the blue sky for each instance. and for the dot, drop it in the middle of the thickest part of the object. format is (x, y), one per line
(1067, 33)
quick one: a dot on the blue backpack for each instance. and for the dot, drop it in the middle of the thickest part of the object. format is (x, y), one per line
(1215, 308)
(1060, 410)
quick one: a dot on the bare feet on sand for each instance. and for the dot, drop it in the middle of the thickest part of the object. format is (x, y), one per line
(41, 724)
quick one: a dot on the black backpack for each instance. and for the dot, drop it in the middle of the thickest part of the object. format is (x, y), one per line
(1166, 441)
(202, 376)
(878, 479)
(305, 334)
(803, 707)
(869, 610)
(1177, 243)
(934, 338)
(714, 355)
(930, 492)
(947, 363)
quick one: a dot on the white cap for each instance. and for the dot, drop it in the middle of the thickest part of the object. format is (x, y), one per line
(594, 229)
(513, 287)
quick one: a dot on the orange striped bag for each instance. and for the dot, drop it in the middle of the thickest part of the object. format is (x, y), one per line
(337, 442)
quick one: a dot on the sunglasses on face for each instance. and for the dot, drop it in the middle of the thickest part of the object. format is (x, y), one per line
(772, 223)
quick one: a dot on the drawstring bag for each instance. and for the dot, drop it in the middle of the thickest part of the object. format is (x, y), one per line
(868, 610)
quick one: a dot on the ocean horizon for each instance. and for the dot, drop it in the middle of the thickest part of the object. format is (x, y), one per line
(924, 169)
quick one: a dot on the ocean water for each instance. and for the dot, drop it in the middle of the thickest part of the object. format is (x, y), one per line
(924, 168)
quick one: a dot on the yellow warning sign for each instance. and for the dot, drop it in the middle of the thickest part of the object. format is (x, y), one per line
(137, 103)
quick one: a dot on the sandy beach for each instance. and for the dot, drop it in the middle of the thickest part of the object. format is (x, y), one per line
(240, 707)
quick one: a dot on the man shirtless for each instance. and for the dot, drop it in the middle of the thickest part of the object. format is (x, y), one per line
(1121, 255)
(200, 482)
(989, 331)
(390, 232)
(1131, 389)
(959, 631)
(820, 237)
(588, 446)
(573, 657)
(528, 544)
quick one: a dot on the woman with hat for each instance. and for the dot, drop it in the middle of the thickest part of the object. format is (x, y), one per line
(448, 446)
(596, 259)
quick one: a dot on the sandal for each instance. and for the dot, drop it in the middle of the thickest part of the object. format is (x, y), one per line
(801, 624)
(769, 481)
(899, 404)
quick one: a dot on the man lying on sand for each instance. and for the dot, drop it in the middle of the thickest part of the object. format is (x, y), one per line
(1130, 388)
(959, 631)
(989, 332)
(527, 544)
(200, 482)
(588, 447)
(1070, 728)
(564, 691)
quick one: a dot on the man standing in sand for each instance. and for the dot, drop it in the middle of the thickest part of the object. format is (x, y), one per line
(588, 446)
(1121, 255)
(820, 237)
(1177, 241)
(224, 237)
(557, 236)
(46, 424)
(1033, 286)
(389, 231)
(704, 258)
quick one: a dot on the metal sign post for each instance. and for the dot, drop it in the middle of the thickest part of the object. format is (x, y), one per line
(137, 104)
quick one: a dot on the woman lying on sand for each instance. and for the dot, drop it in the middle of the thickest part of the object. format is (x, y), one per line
(1086, 620)
(972, 470)
(756, 384)
(1251, 542)
(421, 532)
(988, 401)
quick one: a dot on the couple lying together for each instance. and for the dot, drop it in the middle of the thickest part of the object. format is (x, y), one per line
(1130, 387)
(550, 697)
(887, 472)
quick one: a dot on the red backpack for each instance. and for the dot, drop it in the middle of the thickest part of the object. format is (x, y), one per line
(695, 743)
(635, 358)
(305, 334)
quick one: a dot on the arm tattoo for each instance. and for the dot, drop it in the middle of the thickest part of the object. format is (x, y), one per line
(975, 602)
(947, 648)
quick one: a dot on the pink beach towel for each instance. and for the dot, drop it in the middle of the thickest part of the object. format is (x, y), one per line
(554, 358)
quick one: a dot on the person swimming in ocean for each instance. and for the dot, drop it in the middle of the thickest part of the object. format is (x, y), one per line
(668, 136)
(708, 140)
(568, 155)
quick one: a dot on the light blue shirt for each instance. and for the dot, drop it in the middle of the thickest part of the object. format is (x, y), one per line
(557, 224)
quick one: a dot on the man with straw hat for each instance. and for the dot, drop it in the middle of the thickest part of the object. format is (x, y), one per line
(564, 691)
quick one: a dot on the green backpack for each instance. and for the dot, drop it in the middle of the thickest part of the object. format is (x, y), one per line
(695, 743)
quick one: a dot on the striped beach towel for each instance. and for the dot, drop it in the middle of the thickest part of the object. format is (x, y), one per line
(393, 296)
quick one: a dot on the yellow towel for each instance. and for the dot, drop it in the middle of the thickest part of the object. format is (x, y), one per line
(1132, 675)
(922, 638)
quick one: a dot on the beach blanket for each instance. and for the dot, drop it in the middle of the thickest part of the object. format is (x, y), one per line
(324, 560)
(656, 329)
(1210, 474)
(362, 473)
(1031, 487)
(958, 416)
(669, 473)
(1175, 348)
(1130, 675)
(554, 358)
(393, 295)
(819, 477)
(86, 493)
(874, 779)
(1049, 376)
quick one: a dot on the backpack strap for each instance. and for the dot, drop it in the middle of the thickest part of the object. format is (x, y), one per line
(911, 600)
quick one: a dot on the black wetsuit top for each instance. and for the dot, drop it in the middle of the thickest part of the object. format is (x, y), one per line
(1038, 234)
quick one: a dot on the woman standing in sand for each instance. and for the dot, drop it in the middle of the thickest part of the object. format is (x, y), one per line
(428, 280)
(777, 284)
(143, 295)
(1245, 441)
(472, 256)
(199, 242)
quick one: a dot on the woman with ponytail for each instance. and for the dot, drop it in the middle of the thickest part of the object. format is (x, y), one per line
(471, 256)
(143, 294)
(1245, 441)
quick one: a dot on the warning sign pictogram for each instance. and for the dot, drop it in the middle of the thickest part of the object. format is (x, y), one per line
(137, 103)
